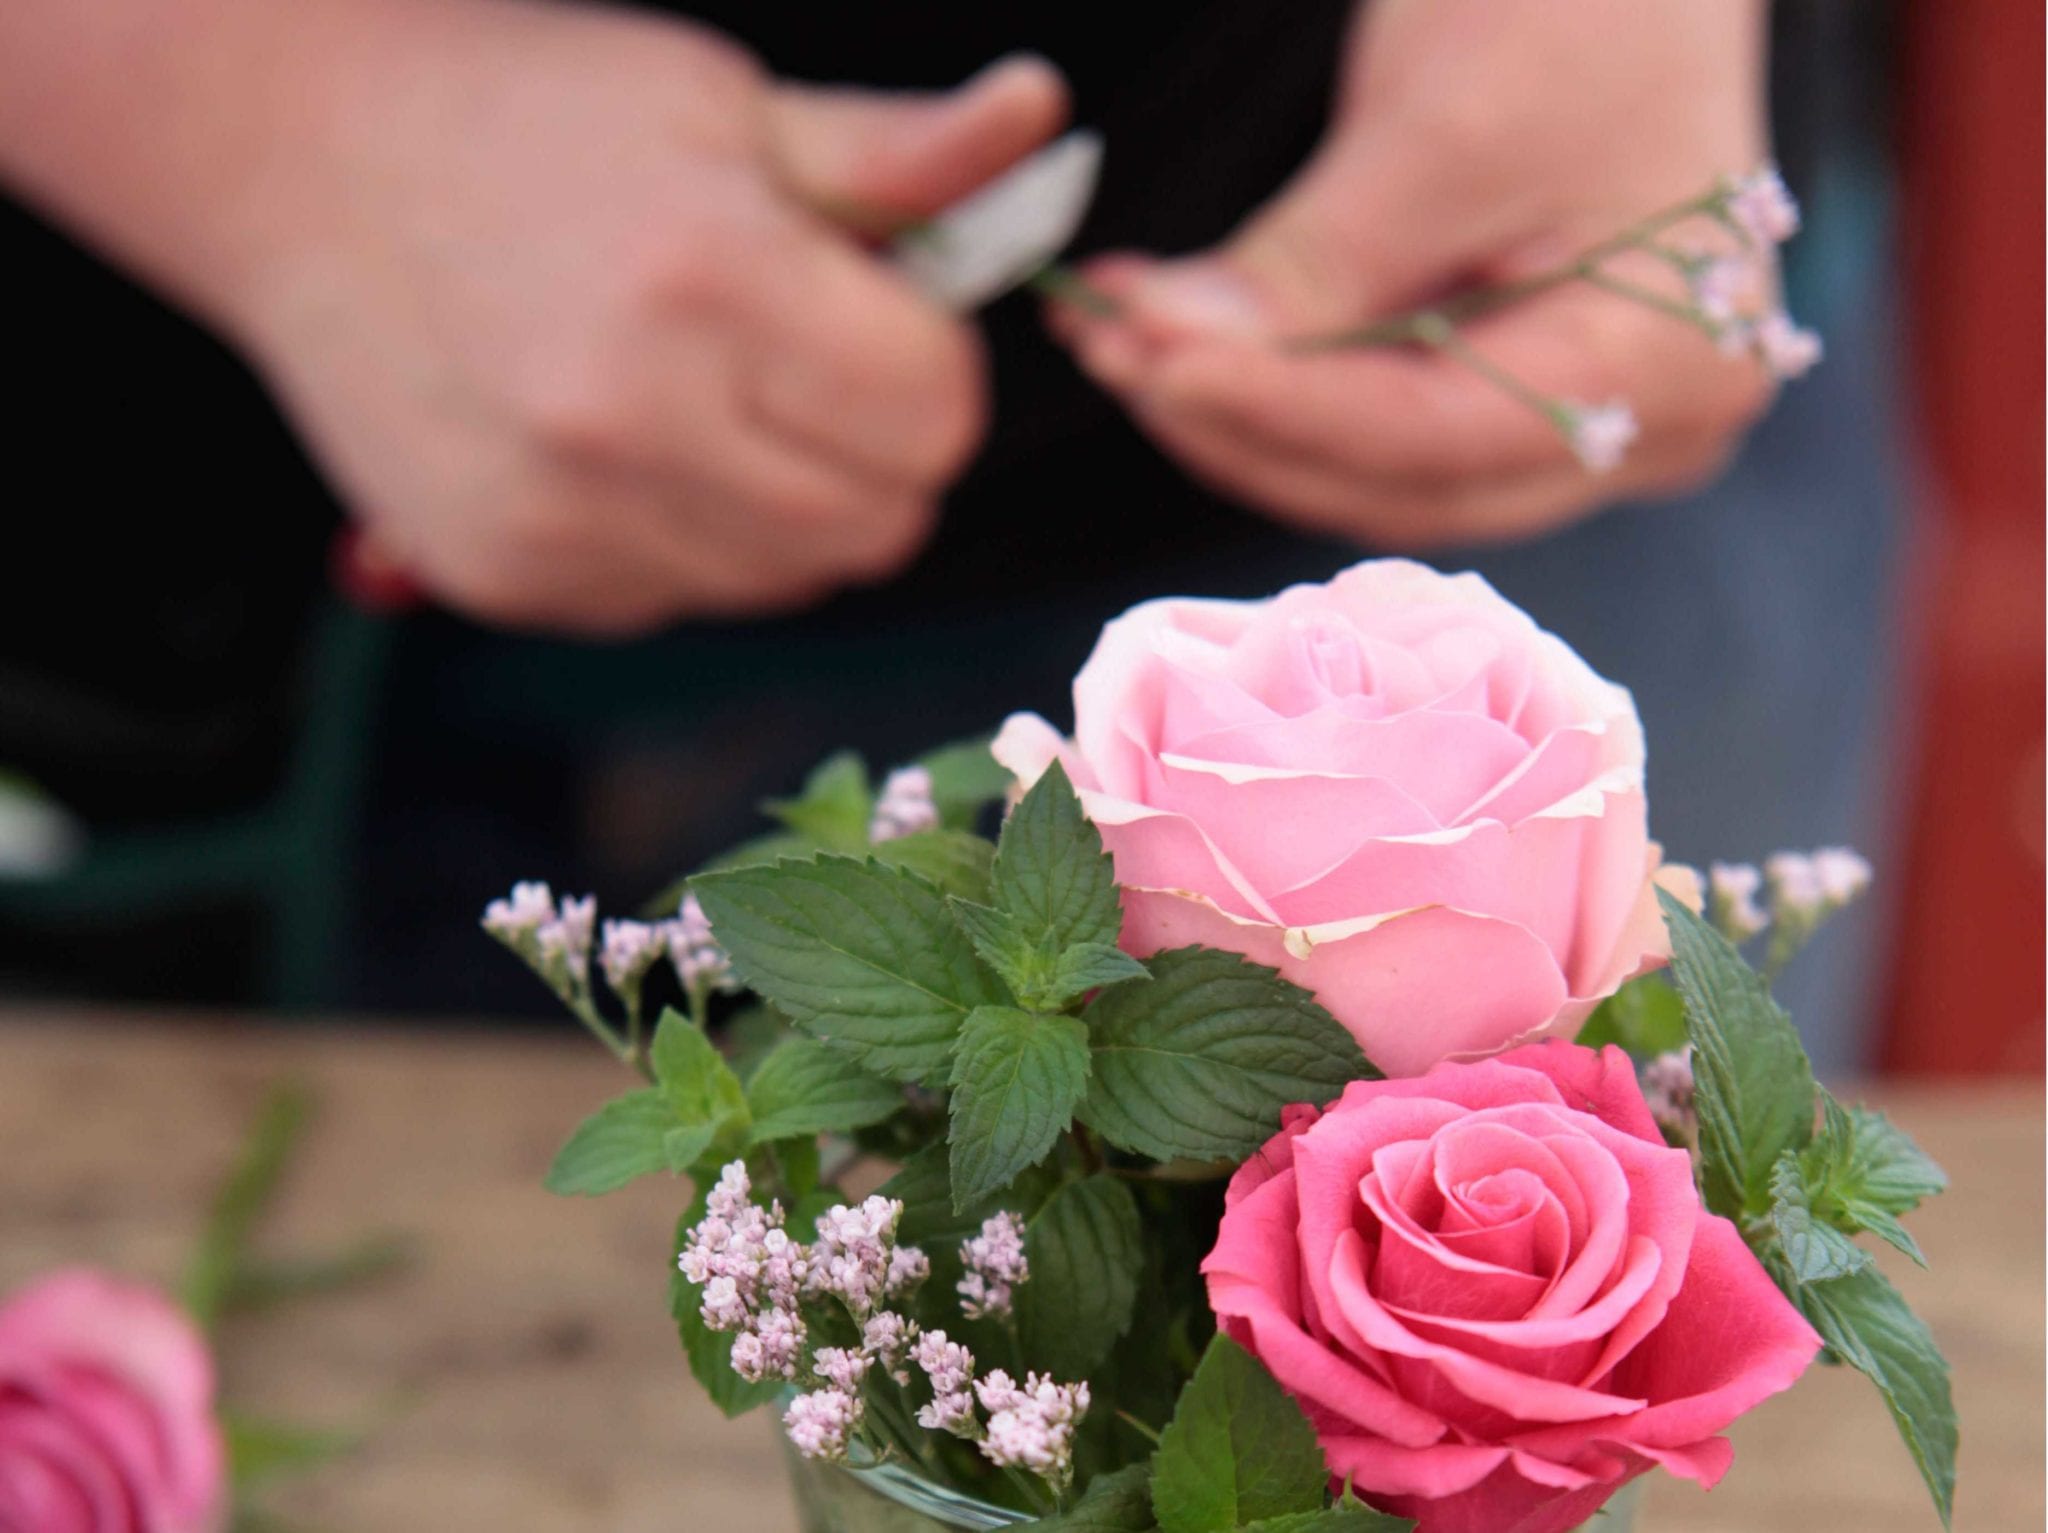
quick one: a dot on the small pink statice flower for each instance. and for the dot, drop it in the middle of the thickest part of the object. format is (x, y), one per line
(700, 961)
(1600, 434)
(995, 1263)
(1786, 349)
(853, 1254)
(1668, 1091)
(904, 807)
(820, 1422)
(1732, 889)
(950, 1368)
(1762, 208)
(529, 907)
(629, 950)
(1032, 1426)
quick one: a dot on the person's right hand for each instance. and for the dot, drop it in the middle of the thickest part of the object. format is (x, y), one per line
(562, 300)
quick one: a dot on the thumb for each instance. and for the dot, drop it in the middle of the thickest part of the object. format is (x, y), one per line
(1359, 232)
(884, 158)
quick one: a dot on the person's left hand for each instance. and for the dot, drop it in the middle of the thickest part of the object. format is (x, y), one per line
(1472, 142)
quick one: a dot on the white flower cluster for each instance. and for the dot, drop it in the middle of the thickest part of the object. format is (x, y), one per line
(904, 807)
(1790, 896)
(1600, 435)
(557, 941)
(1032, 1427)
(1668, 1090)
(1762, 211)
(752, 1274)
(995, 1263)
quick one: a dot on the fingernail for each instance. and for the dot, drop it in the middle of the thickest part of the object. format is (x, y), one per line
(1201, 297)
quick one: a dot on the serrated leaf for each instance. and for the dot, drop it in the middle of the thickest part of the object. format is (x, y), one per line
(709, 1351)
(924, 1186)
(686, 1144)
(1051, 873)
(1645, 1017)
(696, 1082)
(1868, 1325)
(1753, 1084)
(1090, 966)
(862, 956)
(1085, 1249)
(1238, 1450)
(833, 809)
(965, 780)
(1196, 1063)
(1119, 1502)
(956, 862)
(805, 1087)
(1814, 1249)
(1024, 962)
(622, 1140)
(1016, 1079)
(1861, 1170)
(1350, 1517)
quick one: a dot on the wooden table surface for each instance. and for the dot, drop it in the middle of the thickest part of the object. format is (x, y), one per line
(528, 1374)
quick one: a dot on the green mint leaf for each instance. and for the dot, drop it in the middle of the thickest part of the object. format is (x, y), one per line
(1085, 1248)
(1645, 1016)
(1016, 1078)
(622, 1140)
(1238, 1450)
(1120, 1502)
(958, 863)
(260, 1449)
(1025, 963)
(686, 1144)
(1051, 873)
(862, 956)
(709, 1351)
(832, 811)
(1868, 1325)
(1348, 1517)
(1090, 966)
(966, 779)
(1196, 1063)
(1754, 1086)
(1861, 1171)
(1814, 1249)
(805, 1087)
(697, 1083)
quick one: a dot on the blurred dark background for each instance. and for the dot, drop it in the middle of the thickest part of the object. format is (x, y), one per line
(254, 787)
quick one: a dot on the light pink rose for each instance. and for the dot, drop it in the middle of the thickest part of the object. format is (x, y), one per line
(106, 1412)
(1394, 788)
(1496, 1294)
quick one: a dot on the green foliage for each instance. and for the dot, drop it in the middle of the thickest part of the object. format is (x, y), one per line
(1198, 1062)
(1645, 1016)
(1119, 1502)
(958, 863)
(1753, 1085)
(831, 813)
(966, 779)
(260, 1450)
(804, 1087)
(1800, 1196)
(1867, 1325)
(1345, 1517)
(621, 1141)
(1051, 873)
(695, 1110)
(1086, 1249)
(1016, 1079)
(860, 955)
(1237, 1451)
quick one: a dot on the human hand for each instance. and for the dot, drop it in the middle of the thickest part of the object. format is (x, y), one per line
(1471, 143)
(561, 299)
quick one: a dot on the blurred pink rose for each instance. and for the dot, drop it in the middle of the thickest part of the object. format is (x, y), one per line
(106, 1412)
(1394, 788)
(1496, 1294)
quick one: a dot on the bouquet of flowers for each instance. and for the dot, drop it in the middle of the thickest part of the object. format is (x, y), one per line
(1211, 1148)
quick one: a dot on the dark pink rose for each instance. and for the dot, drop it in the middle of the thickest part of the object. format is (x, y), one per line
(1394, 788)
(106, 1412)
(1495, 1292)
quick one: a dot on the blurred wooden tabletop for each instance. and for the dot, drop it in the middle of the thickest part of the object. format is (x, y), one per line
(525, 1368)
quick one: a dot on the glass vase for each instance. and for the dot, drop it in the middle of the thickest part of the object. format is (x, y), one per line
(835, 1498)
